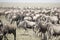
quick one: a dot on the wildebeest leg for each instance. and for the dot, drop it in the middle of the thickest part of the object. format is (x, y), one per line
(56, 37)
(1, 38)
(14, 33)
(43, 36)
(48, 35)
(11, 21)
(5, 38)
(51, 33)
(17, 22)
(25, 27)
(6, 16)
(35, 29)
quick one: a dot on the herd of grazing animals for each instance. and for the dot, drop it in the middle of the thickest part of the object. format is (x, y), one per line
(40, 20)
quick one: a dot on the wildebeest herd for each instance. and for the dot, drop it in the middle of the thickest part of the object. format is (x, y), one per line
(41, 20)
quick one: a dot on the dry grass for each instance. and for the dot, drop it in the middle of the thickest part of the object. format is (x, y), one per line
(22, 35)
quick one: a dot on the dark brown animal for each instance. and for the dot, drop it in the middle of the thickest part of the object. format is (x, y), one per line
(42, 27)
(9, 28)
(1, 30)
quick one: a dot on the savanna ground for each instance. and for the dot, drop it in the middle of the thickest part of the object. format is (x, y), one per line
(21, 34)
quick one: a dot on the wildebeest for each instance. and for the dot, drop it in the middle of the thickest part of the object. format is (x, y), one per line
(43, 26)
(28, 18)
(2, 11)
(22, 24)
(17, 17)
(7, 29)
(58, 18)
(54, 19)
(1, 30)
(54, 30)
(13, 17)
(27, 25)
